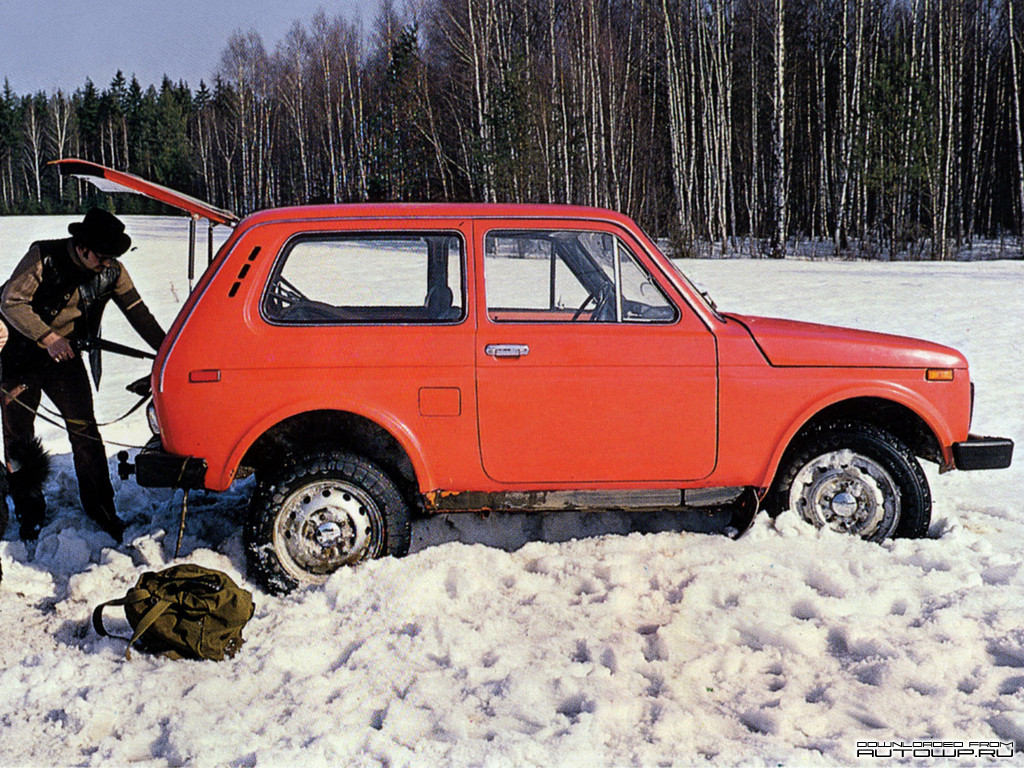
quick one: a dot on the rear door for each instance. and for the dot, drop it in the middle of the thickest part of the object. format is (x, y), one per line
(111, 180)
(590, 369)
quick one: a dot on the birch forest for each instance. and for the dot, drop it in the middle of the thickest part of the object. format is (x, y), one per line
(881, 128)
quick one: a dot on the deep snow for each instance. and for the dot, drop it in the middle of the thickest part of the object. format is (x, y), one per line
(555, 640)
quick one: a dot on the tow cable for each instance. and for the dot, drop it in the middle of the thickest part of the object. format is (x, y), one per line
(138, 387)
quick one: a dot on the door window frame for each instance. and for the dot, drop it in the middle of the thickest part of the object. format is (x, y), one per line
(619, 236)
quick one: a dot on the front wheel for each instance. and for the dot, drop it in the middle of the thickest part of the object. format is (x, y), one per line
(854, 478)
(319, 514)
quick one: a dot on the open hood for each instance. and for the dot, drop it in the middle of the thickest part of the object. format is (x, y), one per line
(109, 180)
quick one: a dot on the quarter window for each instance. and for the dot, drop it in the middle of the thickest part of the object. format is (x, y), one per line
(369, 278)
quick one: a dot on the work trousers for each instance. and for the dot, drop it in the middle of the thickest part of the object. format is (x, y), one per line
(67, 386)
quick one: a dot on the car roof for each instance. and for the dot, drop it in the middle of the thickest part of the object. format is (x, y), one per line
(348, 211)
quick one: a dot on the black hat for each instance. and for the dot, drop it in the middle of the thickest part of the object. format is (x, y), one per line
(101, 232)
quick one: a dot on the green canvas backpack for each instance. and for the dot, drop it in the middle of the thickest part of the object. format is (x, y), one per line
(183, 612)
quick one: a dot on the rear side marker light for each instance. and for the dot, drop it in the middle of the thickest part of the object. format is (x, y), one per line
(939, 374)
(154, 424)
(204, 376)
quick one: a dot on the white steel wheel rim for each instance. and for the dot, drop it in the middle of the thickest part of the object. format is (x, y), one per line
(323, 526)
(847, 492)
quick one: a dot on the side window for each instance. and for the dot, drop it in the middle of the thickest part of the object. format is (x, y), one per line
(368, 278)
(568, 276)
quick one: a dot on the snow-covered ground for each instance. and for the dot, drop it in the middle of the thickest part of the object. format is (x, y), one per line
(564, 640)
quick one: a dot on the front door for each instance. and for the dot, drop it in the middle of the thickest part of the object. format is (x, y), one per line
(588, 369)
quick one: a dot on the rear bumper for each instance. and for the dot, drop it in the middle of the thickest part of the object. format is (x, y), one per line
(155, 468)
(983, 453)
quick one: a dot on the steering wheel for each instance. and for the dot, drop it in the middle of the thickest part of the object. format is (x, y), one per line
(604, 310)
(582, 306)
(604, 297)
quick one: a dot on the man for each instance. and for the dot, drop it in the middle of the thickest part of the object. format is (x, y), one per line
(53, 302)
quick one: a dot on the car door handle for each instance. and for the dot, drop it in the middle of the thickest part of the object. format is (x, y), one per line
(507, 350)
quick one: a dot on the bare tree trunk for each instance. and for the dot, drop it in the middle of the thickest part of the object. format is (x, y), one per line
(948, 59)
(910, 133)
(849, 115)
(1015, 48)
(292, 93)
(112, 139)
(713, 62)
(548, 143)
(34, 146)
(204, 149)
(754, 195)
(60, 125)
(980, 97)
(777, 248)
(728, 190)
(322, 42)
(680, 97)
(479, 42)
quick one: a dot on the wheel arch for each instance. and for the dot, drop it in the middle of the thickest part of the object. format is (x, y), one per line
(377, 438)
(900, 418)
(896, 418)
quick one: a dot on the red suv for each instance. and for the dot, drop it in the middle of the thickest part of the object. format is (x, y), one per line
(372, 361)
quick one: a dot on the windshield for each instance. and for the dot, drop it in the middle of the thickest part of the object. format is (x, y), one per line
(695, 289)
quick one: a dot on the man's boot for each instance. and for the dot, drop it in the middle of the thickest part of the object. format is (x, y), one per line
(30, 467)
(108, 520)
(30, 507)
(4, 510)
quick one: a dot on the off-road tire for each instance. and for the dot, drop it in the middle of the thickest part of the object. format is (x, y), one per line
(878, 448)
(293, 509)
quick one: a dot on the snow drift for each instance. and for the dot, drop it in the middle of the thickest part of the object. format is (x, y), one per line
(549, 640)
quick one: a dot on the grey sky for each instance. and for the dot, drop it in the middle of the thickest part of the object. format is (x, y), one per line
(50, 44)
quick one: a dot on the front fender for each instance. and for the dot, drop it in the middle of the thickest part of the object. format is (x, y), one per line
(932, 416)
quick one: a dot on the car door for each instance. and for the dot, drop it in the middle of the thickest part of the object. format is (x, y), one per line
(590, 368)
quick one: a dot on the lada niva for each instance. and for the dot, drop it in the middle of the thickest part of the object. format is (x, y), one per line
(368, 362)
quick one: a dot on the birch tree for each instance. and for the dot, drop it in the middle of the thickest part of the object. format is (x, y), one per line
(851, 63)
(1016, 54)
(777, 247)
(35, 112)
(291, 90)
(679, 80)
(60, 125)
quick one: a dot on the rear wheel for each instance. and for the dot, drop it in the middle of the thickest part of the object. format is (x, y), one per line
(854, 478)
(321, 513)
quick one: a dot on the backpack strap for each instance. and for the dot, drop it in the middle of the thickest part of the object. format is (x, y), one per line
(97, 615)
(134, 596)
(146, 622)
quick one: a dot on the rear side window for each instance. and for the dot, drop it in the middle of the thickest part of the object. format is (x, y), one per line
(368, 278)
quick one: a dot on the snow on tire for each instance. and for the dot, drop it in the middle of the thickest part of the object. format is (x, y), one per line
(320, 513)
(855, 478)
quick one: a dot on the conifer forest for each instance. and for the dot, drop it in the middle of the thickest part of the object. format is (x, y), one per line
(886, 128)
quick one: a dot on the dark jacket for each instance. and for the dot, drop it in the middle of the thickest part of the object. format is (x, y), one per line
(50, 291)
